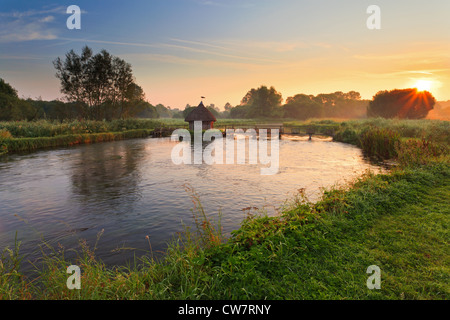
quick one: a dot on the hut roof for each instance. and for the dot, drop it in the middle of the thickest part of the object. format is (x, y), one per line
(201, 113)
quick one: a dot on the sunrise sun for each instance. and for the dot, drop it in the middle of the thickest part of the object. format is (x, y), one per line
(423, 85)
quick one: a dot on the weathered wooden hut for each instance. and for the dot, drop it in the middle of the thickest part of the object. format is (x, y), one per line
(201, 113)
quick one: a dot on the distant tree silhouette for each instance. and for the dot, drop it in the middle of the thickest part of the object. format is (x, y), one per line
(401, 103)
(214, 110)
(146, 110)
(262, 102)
(228, 106)
(187, 110)
(163, 111)
(240, 112)
(337, 105)
(302, 107)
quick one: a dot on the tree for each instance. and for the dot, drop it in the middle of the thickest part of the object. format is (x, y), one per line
(228, 106)
(262, 102)
(12, 107)
(403, 104)
(214, 110)
(104, 84)
(302, 107)
(7, 89)
(187, 110)
(132, 102)
(55, 109)
(240, 112)
(146, 110)
(163, 111)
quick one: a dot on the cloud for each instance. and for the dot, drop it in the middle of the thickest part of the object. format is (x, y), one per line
(209, 3)
(189, 46)
(47, 19)
(209, 63)
(16, 32)
(32, 13)
(227, 3)
(403, 73)
(29, 25)
(439, 53)
(15, 57)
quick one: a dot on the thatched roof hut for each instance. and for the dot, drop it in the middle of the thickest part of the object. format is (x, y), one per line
(201, 113)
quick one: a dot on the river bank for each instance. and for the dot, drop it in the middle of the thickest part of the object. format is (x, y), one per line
(25, 136)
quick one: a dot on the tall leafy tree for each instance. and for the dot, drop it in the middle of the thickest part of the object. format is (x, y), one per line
(262, 102)
(12, 107)
(302, 107)
(102, 83)
(403, 104)
(146, 110)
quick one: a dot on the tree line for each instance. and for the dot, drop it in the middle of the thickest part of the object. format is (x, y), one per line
(102, 87)
(267, 103)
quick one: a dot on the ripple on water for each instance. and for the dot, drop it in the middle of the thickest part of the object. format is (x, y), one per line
(132, 189)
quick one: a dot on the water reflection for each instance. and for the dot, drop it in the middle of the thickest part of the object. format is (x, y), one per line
(131, 189)
(107, 174)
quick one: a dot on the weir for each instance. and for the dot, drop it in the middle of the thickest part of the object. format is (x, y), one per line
(310, 130)
(266, 127)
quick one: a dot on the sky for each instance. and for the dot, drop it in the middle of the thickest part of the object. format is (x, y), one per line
(181, 50)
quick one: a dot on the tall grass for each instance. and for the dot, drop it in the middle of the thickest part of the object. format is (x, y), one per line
(179, 274)
(420, 152)
(410, 142)
(31, 144)
(380, 143)
(44, 128)
(4, 135)
(432, 130)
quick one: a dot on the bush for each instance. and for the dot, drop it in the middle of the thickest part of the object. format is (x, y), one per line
(403, 104)
(4, 134)
(347, 136)
(380, 143)
(417, 152)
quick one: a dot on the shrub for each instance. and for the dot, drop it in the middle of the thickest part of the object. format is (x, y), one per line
(403, 104)
(416, 152)
(5, 134)
(380, 143)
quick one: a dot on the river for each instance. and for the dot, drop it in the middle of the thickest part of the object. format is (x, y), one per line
(131, 189)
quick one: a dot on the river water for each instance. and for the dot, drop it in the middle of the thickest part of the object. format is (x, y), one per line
(131, 189)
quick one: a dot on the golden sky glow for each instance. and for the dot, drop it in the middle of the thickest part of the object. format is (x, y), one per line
(424, 85)
(182, 50)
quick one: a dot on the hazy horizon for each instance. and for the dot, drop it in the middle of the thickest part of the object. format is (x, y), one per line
(182, 50)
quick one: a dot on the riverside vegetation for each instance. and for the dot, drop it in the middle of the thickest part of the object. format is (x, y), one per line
(398, 221)
(20, 136)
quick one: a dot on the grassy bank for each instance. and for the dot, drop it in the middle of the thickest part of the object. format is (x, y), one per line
(32, 144)
(398, 221)
(29, 136)
(408, 141)
(16, 136)
(43, 128)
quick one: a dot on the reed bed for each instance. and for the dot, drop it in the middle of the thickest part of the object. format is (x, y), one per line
(69, 140)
